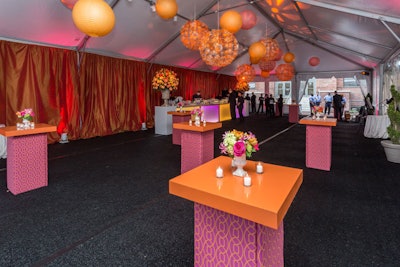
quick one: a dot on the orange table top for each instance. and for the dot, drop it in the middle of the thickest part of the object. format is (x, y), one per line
(265, 202)
(185, 126)
(178, 113)
(10, 131)
(320, 122)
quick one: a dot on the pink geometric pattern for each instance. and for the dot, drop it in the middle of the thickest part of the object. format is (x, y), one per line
(26, 163)
(293, 113)
(176, 133)
(196, 148)
(223, 239)
(318, 147)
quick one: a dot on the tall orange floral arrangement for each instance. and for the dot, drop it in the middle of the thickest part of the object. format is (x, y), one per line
(165, 79)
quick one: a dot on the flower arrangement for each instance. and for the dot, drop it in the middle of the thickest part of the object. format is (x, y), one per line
(317, 109)
(236, 143)
(165, 79)
(26, 114)
(242, 86)
(180, 104)
(196, 112)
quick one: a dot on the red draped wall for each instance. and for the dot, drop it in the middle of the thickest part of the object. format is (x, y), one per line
(105, 96)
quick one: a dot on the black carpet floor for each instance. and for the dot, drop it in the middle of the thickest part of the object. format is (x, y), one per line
(107, 203)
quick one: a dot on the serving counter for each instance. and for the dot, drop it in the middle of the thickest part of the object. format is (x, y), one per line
(237, 225)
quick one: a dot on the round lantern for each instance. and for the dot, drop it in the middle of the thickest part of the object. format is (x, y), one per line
(266, 65)
(284, 72)
(278, 55)
(249, 19)
(242, 86)
(69, 3)
(264, 74)
(218, 48)
(288, 57)
(257, 51)
(272, 48)
(231, 21)
(245, 73)
(166, 9)
(192, 32)
(93, 17)
(313, 61)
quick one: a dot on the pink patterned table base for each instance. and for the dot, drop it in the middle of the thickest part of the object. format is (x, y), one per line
(26, 163)
(293, 114)
(222, 239)
(318, 147)
(176, 133)
(196, 148)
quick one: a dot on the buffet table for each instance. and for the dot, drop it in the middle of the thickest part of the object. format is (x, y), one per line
(163, 120)
(235, 225)
(318, 142)
(197, 143)
(27, 157)
(376, 126)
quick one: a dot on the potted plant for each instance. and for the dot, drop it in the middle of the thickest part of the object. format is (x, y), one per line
(392, 146)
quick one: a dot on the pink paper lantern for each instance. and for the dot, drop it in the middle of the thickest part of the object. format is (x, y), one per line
(249, 19)
(314, 61)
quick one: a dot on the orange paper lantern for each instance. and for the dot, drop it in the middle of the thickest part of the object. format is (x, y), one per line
(257, 51)
(272, 48)
(249, 19)
(192, 32)
(93, 17)
(245, 73)
(266, 65)
(284, 72)
(218, 48)
(231, 21)
(314, 61)
(288, 57)
(264, 74)
(166, 9)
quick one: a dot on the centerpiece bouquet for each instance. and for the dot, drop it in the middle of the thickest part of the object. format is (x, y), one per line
(165, 79)
(238, 145)
(26, 114)
(317, 110)
(196, 115)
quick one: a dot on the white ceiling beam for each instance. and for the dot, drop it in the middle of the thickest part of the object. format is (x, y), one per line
(351, 11)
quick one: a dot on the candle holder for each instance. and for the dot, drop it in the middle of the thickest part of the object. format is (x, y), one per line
(219, 172)
(259, 168)
(247, 180)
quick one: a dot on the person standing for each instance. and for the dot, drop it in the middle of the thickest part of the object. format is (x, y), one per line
(312, 104)
(280, 105)
(253, 102)
(343, 106)
(240, 103)
(337, 106)
(328, 104)
(260, 103)
(232, 103)
(317, 100)
(196, 96)
(271, 106)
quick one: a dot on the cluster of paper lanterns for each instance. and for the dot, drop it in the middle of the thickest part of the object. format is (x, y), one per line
(166, 9)
(245, 73)
(93, 17)
(192, 33)
(219, 48)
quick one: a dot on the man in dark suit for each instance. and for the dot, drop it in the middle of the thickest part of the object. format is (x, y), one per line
(232, 103)
(337, 106)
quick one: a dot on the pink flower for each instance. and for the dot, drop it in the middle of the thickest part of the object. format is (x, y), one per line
(239, 148)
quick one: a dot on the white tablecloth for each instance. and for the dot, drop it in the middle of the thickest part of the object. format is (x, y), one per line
(375, 126)
(3, 145)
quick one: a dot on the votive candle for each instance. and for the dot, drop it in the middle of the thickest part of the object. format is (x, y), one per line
(219, 172)
(247, 180)
(259, 168)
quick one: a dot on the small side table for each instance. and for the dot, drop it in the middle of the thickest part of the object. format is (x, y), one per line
(293, 113)
(177, 116)
(197, 143)
(27, 157)
(319, 142)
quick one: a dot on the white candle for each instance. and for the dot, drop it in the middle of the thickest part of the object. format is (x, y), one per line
(247, 181)
(204, 123)
(259, 168)
(190, 122)
(219, 172)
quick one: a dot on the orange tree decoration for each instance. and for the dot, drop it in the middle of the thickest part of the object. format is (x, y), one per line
(219, 48)
(245, 73)
(192, 32)
(285, 72)
(165, 79)
(242, 86)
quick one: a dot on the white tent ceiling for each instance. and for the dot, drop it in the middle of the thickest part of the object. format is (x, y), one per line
(346, 35)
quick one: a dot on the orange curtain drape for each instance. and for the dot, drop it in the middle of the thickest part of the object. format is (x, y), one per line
(102, 96)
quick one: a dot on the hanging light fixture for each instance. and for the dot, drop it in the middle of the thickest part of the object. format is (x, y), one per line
(266, 65)
(93, 17)
(245, 73)
(219, 48)
(284, 72)
(272, 48)
(166, 9)
(192, 32)
(231, 21)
